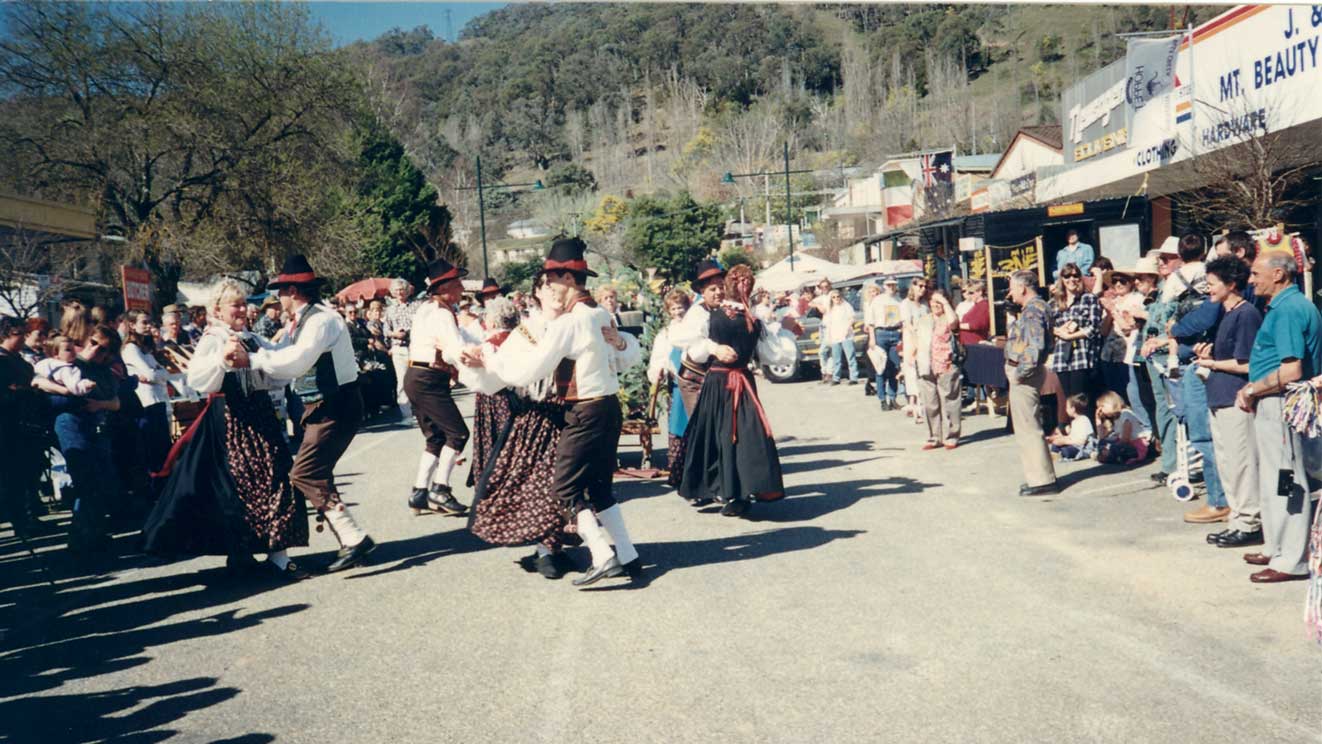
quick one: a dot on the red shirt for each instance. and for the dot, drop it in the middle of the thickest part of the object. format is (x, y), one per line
(978, 319)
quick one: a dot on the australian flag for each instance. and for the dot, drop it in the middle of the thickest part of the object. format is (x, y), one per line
(938, 179)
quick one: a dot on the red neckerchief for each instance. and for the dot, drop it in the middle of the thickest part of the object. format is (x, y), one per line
(497, 339)
(585, 299)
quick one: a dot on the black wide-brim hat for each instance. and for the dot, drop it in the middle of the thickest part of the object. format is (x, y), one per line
(707, 269)
(297, 272)
(567, 254)
(490, 287)
(441, 271)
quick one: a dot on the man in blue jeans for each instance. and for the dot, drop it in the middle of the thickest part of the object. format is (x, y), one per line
(883, 318)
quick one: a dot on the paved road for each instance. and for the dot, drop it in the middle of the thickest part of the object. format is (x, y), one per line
(895, 595)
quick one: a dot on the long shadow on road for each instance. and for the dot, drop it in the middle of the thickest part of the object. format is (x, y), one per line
(88, 625)
(660, 558)
(832, 497)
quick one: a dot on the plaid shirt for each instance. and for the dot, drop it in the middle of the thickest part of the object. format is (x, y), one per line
(399, 317)
(1028, 339)
(1079, 353)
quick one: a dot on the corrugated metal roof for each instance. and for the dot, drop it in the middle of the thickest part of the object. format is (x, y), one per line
(977, 162)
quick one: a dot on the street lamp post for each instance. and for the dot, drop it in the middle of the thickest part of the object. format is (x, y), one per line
(481, 190)
(766, 185)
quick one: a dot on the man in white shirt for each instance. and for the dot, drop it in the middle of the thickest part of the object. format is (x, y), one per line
(434, 349)
(885, 334)
(318, 356)
(579, 348)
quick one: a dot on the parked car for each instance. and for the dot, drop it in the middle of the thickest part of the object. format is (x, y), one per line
(807, 363)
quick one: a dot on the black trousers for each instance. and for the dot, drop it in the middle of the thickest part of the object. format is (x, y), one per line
(586, 454)
(428, 391)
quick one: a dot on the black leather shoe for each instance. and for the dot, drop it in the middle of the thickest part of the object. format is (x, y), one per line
(442, 500)
(547, 567)
(291, 571)
(699, 503)
(350, 557)
(418, 501)
(528, 563)
(634, 569)
(1238, 539)
(608, 570)
(1215, 537)
(736, 508)
(1159, 478)
(1048, 489)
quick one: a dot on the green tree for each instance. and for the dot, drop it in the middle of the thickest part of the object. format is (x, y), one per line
(154, 111)
(402, 218)
(672, 235)
(736, 255)
(519, 274)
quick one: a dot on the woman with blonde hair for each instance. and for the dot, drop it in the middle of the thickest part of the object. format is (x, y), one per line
(663, 369)
(228, 491)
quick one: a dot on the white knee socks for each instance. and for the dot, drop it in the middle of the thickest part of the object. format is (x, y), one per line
(426, 466)
(613, 521)
(592, 534)
(343, 526)
(445, 466)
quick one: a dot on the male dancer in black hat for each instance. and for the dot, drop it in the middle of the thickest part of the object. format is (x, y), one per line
(318, 356)
(434, 349)
(579, 347)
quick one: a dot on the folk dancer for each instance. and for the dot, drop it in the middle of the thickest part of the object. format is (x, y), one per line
(731, 453)
(436, 343)
(318, 356)
(580, 348)
(709, 282)
(664, 368)
(228, 490)
(490, 412)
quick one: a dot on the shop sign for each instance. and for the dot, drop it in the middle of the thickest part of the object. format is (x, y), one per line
(1155, 156)
(137, 288)
(1103, 144)
(1065, 210)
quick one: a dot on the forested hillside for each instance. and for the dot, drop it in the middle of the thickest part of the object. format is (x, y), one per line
(662, 97)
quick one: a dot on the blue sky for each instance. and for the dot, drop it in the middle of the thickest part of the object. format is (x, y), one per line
(348, 22)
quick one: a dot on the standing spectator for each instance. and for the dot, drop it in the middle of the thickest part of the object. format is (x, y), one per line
(838, 337)
(268, 322)
(254, 312)
(975, 320)
(820, 304)
(1078, 331)
(34, 340)
(75, 321)
(1227, 361)
(938, 374)
(80, 430)
(912, 308)
(886, 332)
(172, 332)
(152, 420)
(609, 299)
(197, 324)
(1287, 348)
(1026, 348)
(1074, 252)
(396, 323)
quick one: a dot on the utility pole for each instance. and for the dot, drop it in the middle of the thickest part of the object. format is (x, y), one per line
(789, 205)
(482, 218)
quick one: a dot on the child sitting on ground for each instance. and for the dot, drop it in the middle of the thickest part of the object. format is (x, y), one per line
(60, 369)
(1079, 443)
(1123, 439)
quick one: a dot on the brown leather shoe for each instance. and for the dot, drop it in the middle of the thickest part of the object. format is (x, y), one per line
(1207, 515)
(1272, 576)
(1256, 559)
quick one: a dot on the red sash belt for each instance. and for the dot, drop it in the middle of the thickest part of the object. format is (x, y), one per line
(739, 381)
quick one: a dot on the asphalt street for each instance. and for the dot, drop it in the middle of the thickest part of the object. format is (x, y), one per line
(894, 595)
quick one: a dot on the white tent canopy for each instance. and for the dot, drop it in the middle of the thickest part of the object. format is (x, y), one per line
(800, 269)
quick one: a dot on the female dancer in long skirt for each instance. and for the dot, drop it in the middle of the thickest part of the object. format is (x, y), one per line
(663, 368)
(491, 412)
(513, 502)
(731, 454)
(228, 491)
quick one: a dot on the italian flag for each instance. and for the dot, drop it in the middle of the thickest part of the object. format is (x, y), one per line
(897, 196)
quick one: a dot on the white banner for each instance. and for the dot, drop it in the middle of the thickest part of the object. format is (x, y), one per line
(1149, 78)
